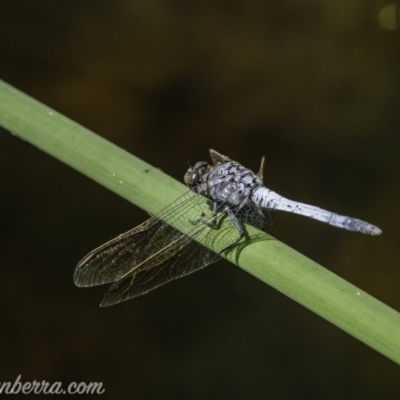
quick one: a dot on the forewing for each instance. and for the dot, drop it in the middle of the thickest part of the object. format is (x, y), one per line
(180, 258)
(111, 261)
(114, 259)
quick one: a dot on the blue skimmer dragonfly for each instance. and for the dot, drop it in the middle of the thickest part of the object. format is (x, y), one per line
(163, 248)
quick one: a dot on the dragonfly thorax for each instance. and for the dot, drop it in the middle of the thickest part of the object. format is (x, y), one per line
(228, 183)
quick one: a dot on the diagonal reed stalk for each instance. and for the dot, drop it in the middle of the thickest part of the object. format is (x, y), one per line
(303, 280)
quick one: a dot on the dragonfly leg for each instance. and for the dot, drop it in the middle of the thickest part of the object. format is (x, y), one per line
(212, 223)
(196, 221)
(238, 227)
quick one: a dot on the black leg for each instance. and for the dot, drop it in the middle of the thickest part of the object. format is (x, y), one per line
(238, 227)
(210, 223)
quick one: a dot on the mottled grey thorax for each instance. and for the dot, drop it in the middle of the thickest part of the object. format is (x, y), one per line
(230, 183)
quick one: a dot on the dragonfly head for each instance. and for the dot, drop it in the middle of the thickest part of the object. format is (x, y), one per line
(195, 175)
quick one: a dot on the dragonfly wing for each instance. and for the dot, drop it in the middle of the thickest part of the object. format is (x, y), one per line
(218, 158)
(176, 260)
(268, 218)
(109, 262)
(255, 216)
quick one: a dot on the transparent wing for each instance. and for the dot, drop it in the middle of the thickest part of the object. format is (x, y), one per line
(180, 258)
(256, 217)
(114, 259)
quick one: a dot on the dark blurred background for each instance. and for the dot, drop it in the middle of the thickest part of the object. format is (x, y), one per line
(312, 85)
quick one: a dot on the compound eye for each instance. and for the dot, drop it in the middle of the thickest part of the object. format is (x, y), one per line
(195, 174)
(193, 178)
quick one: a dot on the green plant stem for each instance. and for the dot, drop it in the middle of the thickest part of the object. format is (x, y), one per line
(271, 261)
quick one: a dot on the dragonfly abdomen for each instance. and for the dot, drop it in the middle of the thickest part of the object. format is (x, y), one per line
(271, 200)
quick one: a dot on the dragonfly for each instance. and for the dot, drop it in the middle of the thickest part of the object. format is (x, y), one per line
(166, 246)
